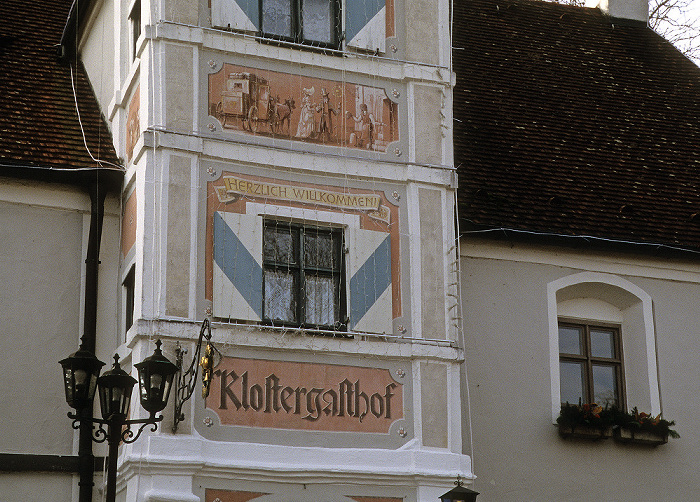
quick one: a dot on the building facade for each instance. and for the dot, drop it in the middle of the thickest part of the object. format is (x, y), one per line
(44, 228)
(289, 176)
(578, 154)
(59, 187)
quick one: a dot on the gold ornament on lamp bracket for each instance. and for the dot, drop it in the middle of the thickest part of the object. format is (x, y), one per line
(187, 379)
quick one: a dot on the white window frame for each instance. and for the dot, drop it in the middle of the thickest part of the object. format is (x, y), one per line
(297, 22)
(591, 297)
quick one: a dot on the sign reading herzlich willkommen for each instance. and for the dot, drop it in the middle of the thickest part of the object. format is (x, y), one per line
(305, 396)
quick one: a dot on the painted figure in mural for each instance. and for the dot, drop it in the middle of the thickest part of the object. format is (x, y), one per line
(363, 137)
(325, 126)
(305, 128)
(284, 112)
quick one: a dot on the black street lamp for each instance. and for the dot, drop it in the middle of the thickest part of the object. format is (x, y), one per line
(80, 372)
(459, 493)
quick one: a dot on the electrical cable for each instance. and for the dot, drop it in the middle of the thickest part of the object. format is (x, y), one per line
(80, 120)
(587, 238)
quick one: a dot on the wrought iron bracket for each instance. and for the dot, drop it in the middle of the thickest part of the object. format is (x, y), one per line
(187, 380)
(118, 429)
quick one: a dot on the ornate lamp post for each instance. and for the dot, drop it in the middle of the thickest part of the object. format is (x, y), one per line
(80, 372)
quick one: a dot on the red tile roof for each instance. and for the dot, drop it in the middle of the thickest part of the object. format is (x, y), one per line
(39, 125)
(570, 123)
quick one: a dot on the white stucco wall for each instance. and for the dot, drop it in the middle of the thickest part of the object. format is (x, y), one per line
(43, 230)
(98, 52)
(517, 452)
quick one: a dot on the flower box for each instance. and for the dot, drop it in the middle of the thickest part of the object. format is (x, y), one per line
(592, 422)
(588, 422)
(585, 432)
(641, 437)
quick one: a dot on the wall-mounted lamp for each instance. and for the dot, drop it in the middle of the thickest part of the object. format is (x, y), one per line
(81, 379)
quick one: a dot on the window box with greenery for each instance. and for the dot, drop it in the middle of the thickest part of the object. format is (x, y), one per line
(642, 428)
(588, 421)
(593, 422)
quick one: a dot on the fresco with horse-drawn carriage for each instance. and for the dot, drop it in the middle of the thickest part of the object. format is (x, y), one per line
(268, 103)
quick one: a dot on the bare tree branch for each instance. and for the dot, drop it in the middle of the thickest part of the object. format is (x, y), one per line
(675, 20)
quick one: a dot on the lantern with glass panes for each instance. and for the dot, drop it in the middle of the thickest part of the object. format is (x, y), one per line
(81, 378)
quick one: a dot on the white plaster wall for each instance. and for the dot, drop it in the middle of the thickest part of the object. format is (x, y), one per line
(517, 452)
(43, 229)
(40, 270)
(98, 54)
(16, 487)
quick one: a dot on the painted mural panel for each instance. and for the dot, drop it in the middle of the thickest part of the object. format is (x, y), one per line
(129, 220)
(214, 495)
(239, 204)
(313, 110)
(133, 127)
(313, 399)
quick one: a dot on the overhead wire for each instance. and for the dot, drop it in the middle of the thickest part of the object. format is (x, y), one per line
(80, 120)
(458, 272)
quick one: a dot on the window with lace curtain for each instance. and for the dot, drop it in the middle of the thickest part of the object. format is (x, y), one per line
(309, 22)
(303, 276)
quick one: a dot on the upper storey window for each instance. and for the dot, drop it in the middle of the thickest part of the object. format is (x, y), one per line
(590, 364)
(302, 273)
(602, 343)
(310, 22)
(303, 276)
(330, 24)
(135, 22)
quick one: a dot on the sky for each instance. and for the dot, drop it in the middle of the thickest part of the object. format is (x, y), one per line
(690, 13)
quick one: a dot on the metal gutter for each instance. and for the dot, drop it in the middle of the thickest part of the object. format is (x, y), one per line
(578, 241)
(80, 176)
(67, 50)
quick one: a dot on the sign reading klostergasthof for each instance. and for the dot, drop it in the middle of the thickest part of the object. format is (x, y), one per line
(305, 396)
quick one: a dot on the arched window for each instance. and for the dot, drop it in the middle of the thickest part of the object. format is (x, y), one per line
(602, 342)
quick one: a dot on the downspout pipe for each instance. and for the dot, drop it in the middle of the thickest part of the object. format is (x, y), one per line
(86, 459)
(67, 51)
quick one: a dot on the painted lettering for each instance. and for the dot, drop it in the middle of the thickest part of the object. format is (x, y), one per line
(226, 391)
(360, 397)
(331, 407)
(313, 404)
(256, 397)
(272, 397)
(347, 399)
(233, 185)
(284, 395)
